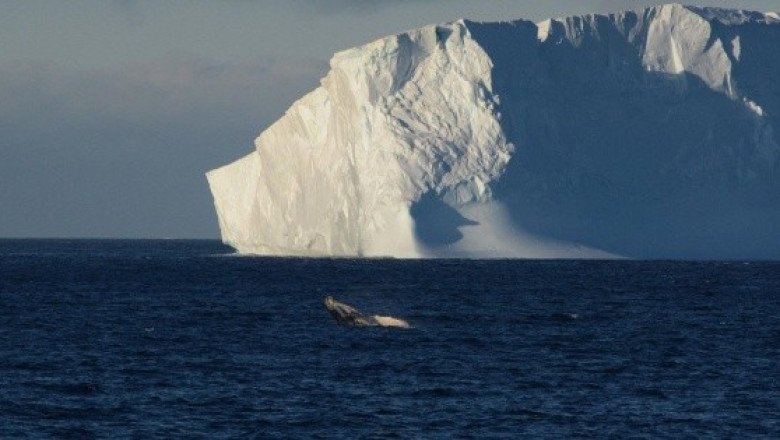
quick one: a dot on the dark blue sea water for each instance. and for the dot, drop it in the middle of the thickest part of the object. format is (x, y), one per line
(179, 339)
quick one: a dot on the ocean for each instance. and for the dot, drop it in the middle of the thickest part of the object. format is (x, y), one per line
(182, 339)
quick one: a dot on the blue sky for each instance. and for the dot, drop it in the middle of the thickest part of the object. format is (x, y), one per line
(111, 111)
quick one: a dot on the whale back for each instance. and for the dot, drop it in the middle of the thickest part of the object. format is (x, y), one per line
(346, 314)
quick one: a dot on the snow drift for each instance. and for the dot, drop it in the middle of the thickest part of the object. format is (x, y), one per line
(638, 134)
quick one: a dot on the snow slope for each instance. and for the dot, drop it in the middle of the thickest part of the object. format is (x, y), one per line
(638, 134)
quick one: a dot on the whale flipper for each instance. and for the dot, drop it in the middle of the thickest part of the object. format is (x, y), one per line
(347, 315)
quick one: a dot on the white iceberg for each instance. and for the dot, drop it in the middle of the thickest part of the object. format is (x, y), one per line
(637, 134)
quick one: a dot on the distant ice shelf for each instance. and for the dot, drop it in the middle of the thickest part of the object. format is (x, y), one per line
(646, 134)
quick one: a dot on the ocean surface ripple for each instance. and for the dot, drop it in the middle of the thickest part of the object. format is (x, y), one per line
(178, 339)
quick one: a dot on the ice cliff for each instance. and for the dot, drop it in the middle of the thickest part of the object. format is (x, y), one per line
(639, 134)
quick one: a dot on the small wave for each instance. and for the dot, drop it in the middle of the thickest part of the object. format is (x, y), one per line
(564, 317)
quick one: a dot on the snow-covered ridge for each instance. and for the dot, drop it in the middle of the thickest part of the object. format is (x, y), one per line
(573, 137)
(734, 17)
(728, 17)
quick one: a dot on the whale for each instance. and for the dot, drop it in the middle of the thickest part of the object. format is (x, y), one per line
(346, 314)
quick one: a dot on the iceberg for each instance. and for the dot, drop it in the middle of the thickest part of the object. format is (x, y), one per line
(645, 134)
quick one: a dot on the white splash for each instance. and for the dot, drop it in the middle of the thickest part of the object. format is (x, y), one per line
(389, 321)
